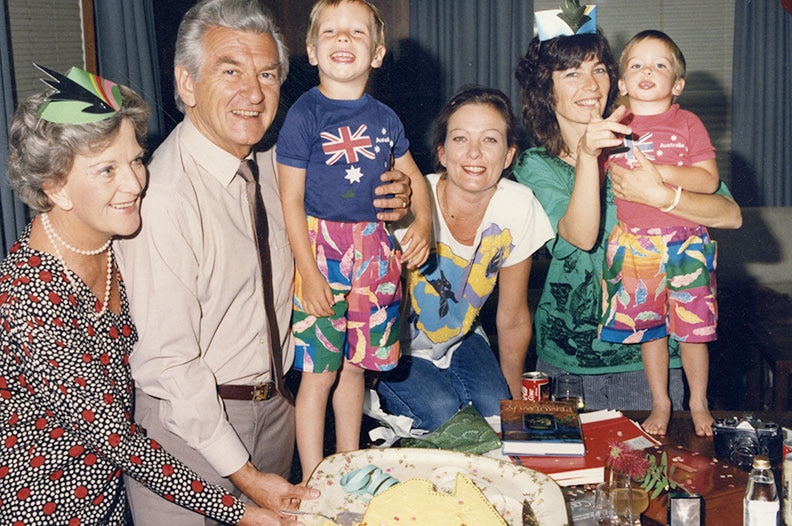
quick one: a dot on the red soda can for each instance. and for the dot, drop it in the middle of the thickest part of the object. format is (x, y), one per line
(535, 386)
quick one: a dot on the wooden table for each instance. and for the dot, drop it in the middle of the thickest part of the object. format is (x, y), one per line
(680, 429)
(680, 432)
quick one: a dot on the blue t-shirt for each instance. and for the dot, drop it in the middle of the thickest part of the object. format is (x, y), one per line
(344, 146)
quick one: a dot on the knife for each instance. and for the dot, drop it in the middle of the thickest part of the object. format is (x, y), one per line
(528, 516)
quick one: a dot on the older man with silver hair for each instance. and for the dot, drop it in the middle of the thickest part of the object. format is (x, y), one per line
(214, 327)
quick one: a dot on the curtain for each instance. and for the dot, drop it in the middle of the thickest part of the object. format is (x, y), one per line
(762, 107)
(452, 43)
(14, 214)
(126, 47)
(476, 41)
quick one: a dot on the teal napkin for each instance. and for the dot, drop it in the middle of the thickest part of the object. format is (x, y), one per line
(466, 431)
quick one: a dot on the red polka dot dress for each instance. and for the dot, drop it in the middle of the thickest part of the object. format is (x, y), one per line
(66, 429)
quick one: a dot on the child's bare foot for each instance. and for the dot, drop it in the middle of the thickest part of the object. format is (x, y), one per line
(702, 421)
(657, 421)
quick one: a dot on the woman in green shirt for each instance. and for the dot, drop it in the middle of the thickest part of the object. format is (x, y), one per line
(569, 84)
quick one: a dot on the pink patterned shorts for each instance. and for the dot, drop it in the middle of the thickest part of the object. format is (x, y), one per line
(363, 270)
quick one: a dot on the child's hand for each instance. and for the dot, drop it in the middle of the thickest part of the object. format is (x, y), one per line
(416, 243)
(317, 297)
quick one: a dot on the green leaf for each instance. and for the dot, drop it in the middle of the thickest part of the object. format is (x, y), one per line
(658, 476)
(656, 492)
(573, 14)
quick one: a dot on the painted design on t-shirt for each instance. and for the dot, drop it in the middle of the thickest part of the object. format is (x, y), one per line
(642, 143)
(449, 291)
(346, 144)
(349, 147)
(669, 148)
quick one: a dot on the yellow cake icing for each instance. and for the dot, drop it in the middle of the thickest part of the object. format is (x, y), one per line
(416, 502)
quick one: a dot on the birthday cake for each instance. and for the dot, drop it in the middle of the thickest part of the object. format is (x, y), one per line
(416, 501)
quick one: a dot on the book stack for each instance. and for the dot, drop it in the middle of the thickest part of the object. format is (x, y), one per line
(599, 429)
(720, 484)
(540, 428)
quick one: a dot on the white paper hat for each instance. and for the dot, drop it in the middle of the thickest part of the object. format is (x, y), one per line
(572, 19)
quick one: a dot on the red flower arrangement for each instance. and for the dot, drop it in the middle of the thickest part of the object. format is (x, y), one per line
(654, 476)
(624, 459)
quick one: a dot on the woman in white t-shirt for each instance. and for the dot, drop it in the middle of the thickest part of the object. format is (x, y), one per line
(486, 229)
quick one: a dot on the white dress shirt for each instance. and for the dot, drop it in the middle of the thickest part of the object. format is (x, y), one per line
(195, 289)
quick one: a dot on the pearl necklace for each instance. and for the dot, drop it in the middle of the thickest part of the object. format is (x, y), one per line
(51, 233)
(55, 239)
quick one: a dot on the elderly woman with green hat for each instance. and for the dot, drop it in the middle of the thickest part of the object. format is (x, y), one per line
(76, 157)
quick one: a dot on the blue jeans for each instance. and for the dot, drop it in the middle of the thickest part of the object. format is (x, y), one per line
(628, 391)
(430, 396)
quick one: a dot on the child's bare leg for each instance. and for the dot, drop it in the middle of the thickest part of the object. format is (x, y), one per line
(348, 407)
(695, 362)
(309, 414)
(655, 361)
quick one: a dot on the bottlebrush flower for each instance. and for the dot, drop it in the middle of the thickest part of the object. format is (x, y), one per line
(624, 459)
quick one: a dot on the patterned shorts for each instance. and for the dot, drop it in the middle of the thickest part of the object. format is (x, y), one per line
(659, 282)
(363, 270)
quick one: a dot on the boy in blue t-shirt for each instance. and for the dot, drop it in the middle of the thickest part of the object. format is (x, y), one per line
(333, 147)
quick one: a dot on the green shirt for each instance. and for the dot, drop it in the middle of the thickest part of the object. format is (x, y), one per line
(569, 307)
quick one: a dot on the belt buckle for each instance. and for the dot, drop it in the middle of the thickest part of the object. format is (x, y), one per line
(262, 392)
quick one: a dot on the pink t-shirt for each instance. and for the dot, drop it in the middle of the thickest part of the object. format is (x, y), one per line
(675, 137)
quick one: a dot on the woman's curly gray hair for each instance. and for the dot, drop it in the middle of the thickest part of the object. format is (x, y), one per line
(40, 151)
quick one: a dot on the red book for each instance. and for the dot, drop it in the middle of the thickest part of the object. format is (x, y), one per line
(600, 429)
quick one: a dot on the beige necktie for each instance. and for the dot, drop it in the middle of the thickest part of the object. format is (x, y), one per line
(249, 172)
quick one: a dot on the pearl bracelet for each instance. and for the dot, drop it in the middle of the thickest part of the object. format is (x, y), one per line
(677, 197)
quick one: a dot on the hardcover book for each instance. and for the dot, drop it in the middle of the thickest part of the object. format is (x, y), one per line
(540, 428)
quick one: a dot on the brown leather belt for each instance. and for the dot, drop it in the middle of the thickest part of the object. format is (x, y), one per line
(255, 393)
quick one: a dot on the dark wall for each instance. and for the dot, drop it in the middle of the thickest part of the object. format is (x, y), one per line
(391, 84)
(167, 15)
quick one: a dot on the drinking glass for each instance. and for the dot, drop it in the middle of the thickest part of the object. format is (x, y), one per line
(613, 504)
(639, 496)
(569, 387)
(640, 503)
